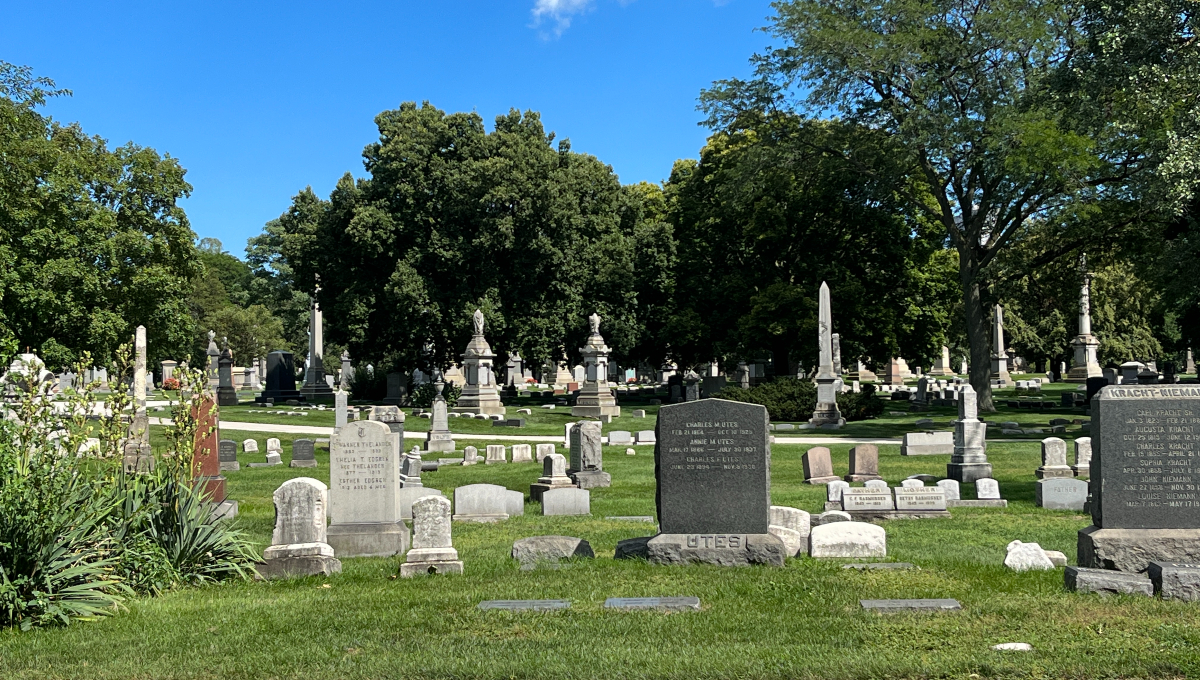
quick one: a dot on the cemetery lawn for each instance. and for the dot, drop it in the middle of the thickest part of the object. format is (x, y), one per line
(801, 621)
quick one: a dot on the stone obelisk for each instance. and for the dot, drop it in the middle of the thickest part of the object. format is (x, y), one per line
(315, 387)
(595, 397)
(999, 356)
(1085, 365)
(828, 382)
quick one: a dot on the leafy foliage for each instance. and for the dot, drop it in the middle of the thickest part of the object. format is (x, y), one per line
(790, 399)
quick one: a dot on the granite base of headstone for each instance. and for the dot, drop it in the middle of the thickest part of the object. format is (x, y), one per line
(1106, 582)
(1175, 581)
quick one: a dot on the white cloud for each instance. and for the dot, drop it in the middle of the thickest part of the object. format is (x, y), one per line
(560, 11)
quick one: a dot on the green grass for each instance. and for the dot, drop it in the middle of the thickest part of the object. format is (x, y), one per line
(801, 621)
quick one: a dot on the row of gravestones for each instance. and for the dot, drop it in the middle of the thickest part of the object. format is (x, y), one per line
(1059, 485)
(303, 453)
(912, 496)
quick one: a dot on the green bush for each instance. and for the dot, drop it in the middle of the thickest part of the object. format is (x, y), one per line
(423, 395)
(789, 399)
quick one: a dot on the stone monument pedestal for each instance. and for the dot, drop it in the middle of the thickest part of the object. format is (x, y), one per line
(299, 559)
(442, 442)
(591, 479)
(726, 550)
(431, 561)
(968, 473)
(1133, 550)
(374, 539)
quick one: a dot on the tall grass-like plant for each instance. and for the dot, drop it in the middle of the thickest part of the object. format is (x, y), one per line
(56, 556)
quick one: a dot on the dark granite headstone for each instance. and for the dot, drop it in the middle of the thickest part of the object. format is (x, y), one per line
(281, 378)
(227, 455)
(1145, 473)
(712, 461)
(1094, 385)
(303, 453)
(226, 393)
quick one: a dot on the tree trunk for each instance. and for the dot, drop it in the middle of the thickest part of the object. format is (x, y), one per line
(978, 327)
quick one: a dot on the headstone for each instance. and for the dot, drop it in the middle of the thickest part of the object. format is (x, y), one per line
(587, 456)
(281, 378)
(227, 454)
(876, 484)
(968, 459)
(554, 476)
(481, 503)
(1027, 557)
(792, 526)
(298, 543)
(470, 455)
(303, 453)
(920, 499)
(1054, 459)
(834, 489)
(341, 401)
(818, 467)
(543, 450)
(496, 453)
(1083, 457)
(645, 437)
(566, 501)
(432, 551)
(536, 550)
(987, 489)
(1061, 493)
(864, 463)
(412, 494)
(364, 492)
(620, 437)
(226, 392)
(410, 470)
(522, 453)
(951, 488)
(847, 539)
(250, 446)
(927, 444)
(868, 499)
(439, 437)
(712, 465)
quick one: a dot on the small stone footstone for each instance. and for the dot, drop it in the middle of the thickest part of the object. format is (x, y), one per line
(1107, 582)
(848, 539)
(896, 606)
(250, 446)
(525, 605)
(1027, 557)
(1013, 647)
(470, 456)
(884, 566)
(631, 518)
(633, 548)
(630, 452)
(1176, 581)
(1057, 558)
(831, 516)
(544, 550)
(664, 604)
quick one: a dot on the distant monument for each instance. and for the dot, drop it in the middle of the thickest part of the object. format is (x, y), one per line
(1086, 365)
(828, 382)
(316, 388)
(999, 356)
(595, 397)
(479, 394)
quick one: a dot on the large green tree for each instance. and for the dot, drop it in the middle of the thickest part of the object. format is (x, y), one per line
(454, 218)
(1003, 105)
(772, 209)
(93, 241)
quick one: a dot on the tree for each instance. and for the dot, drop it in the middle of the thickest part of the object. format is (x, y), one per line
(771, 211)
(92, 240)
(273, 285)
(999, 103)
(453, 218)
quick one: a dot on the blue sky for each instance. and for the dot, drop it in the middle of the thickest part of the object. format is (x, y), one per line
(260, 99)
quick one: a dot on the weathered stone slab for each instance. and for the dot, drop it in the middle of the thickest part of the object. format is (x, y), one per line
(922, 499)
(525, 605)
(544, 450)
(411, 495)
(227, 455)
(1063, 493)
(864, 463)
(537, 549)
(1133, 550)
(978, 503)
(496, 454)
(923, 605)
(566, 501)
(927, 444)
(834, 490)
(666, 604)
(1027, 557)
(620, 437)
(952, 489)
(728, 550)
(1175, 580)
(987, 489)
(522, 453)
(1106, 582)
(880, 566)
(298, 546)
(481, 503)
(1083, 457)
(868, 499)
(847, 539)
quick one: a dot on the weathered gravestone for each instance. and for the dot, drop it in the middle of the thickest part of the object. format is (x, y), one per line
(227, 454)
(544, 450)
(587, 456)
(1145, 504)
(864, 463)
(303, 453)
(522, 453)
(1083, 457)
(481, 503)
(341, 407)
(554, 476)
(566, 501)
(298, 544)
(364, 492)
(1064, 493)
(1054, 460)
(818, 468)
(968, 460)
(432, 551)
(712, 465)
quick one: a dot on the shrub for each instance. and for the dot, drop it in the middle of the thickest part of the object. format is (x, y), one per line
(790, 399)
(423, 395)
(171, 384)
